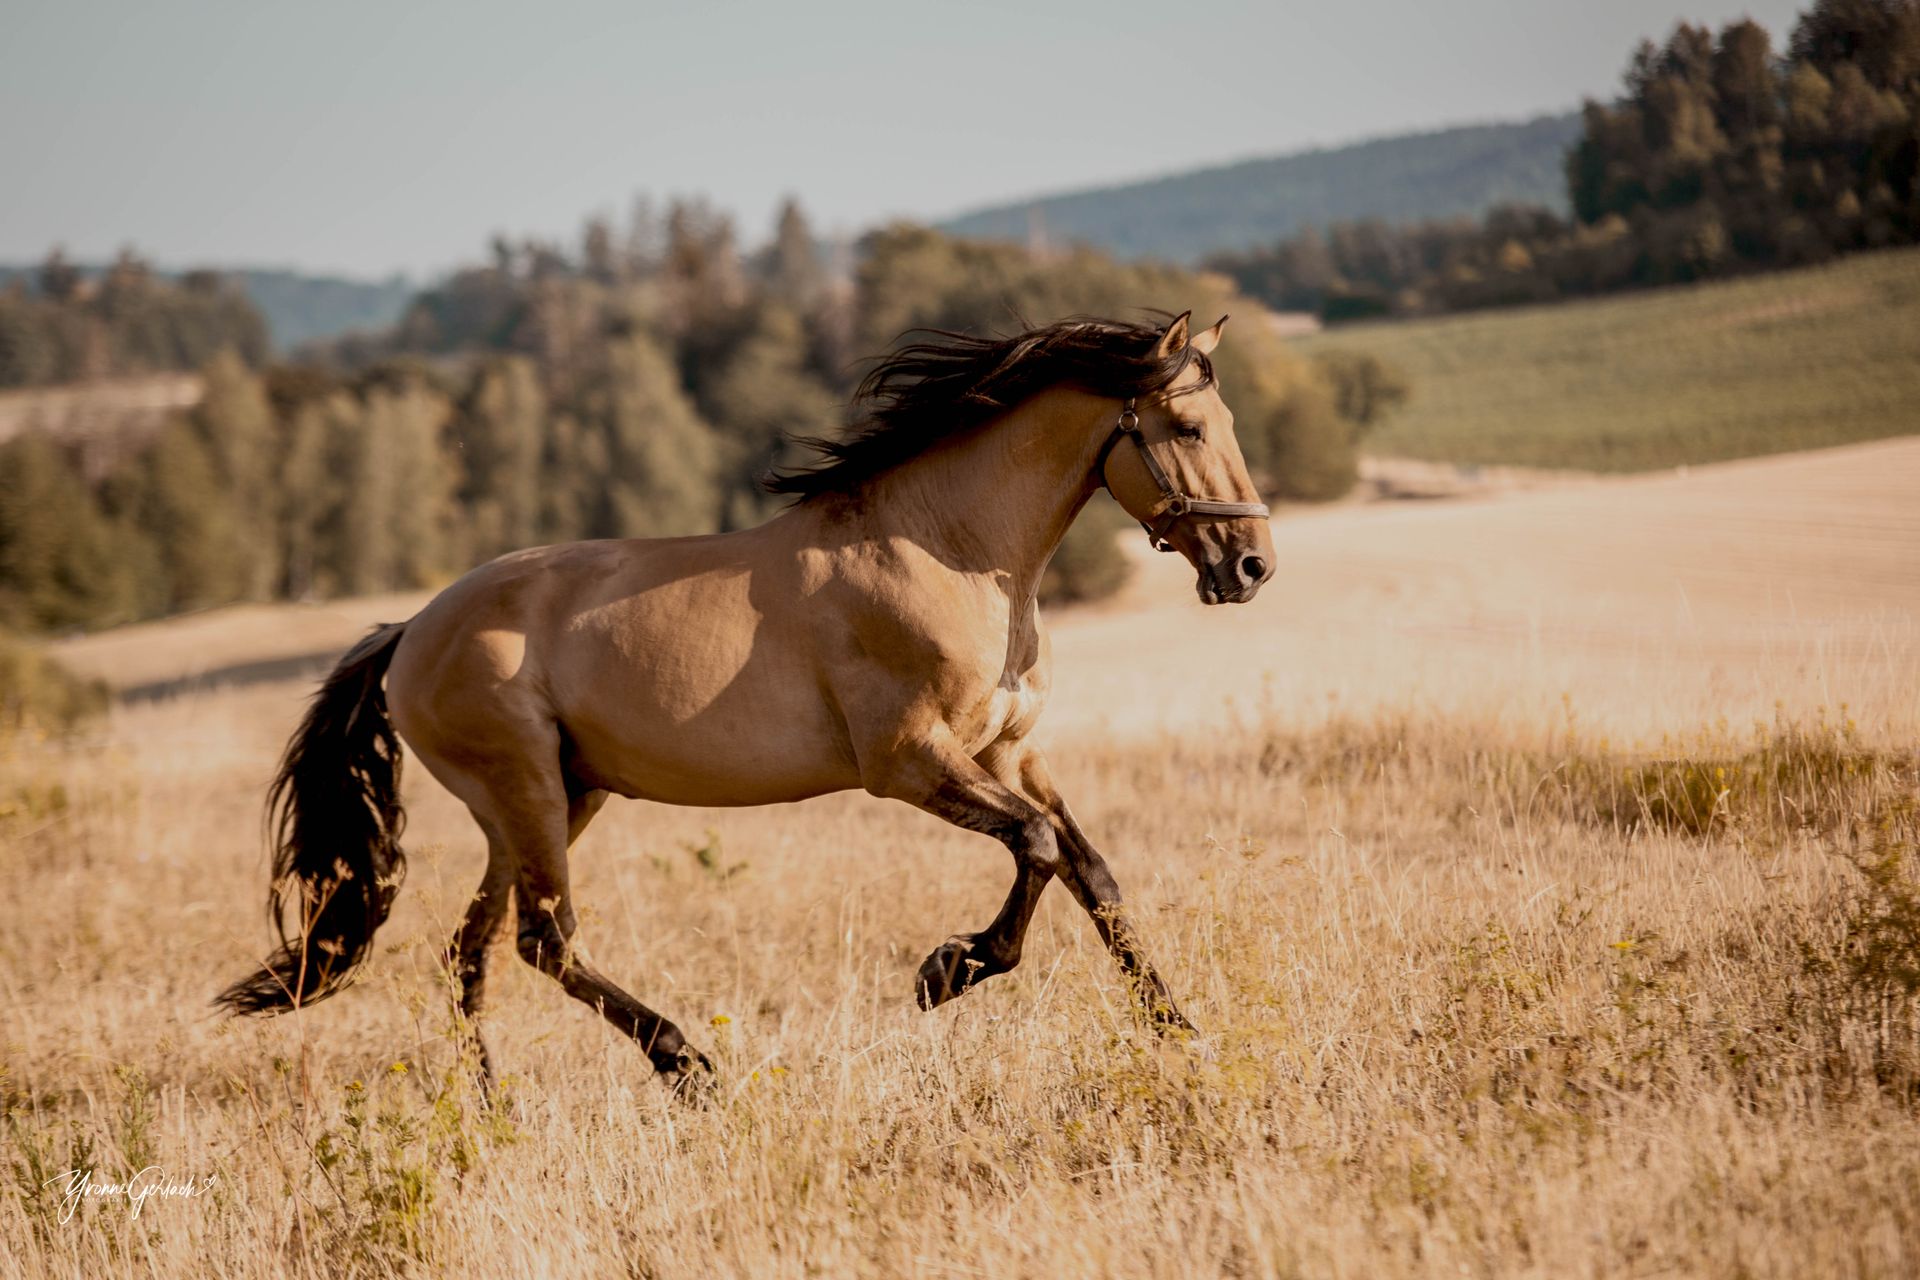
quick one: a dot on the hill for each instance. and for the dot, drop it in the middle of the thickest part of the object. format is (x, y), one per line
(1668, 377)
(298, 308)
(1408, 177)
(301, 308)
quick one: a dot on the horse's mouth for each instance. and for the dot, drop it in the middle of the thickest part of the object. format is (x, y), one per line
(1211, 592)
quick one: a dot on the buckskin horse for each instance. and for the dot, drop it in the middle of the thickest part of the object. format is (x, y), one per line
(881, 633)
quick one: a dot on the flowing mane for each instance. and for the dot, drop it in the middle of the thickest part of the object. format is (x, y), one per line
(949, 383)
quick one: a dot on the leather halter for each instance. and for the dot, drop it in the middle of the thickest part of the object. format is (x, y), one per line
(1173, 504)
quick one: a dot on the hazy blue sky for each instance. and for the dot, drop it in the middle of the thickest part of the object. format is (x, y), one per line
(397, 136)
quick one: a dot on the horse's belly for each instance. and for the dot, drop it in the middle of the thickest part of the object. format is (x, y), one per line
(695, 766)
(716, 719)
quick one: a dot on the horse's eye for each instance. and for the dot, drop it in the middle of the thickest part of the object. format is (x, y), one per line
(1188, 430)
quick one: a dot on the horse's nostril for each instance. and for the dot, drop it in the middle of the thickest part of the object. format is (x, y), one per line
(1254, 569)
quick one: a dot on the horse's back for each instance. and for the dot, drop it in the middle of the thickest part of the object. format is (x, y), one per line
(683, 669)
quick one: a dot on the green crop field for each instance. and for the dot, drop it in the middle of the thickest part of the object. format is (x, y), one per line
(1798, 360)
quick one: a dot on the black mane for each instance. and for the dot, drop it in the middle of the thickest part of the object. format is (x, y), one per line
(925, 391)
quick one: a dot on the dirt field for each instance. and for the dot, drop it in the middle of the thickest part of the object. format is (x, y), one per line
(103, 418)
(1651, 604)
(1519, 949)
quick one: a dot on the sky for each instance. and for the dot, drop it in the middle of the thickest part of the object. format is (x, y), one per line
(370, 138)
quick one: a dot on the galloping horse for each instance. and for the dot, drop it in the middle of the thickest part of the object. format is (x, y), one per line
(880, 633)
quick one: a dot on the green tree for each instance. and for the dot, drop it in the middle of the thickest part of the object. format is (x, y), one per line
(663, 462)
(423, 520)
(499, 434)
(1365, 388)
(574, 468)
(758, 395)
(308, 491)
(180, 502)
(236, 423)
(793, 273)
(63, 561)
(1089, 565)
(701, 277)
(395, 523)
(1744, 90)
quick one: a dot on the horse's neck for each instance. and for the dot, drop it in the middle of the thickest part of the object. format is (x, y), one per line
(997, 501)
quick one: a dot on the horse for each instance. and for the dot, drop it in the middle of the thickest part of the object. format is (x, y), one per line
(882, 632)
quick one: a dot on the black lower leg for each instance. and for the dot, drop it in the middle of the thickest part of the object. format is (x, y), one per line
(545, 943)
(966, 958)
(467, 959)
(1087, 876)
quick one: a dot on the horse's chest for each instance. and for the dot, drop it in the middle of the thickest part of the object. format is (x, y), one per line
(1008, 700)
(1010, 713)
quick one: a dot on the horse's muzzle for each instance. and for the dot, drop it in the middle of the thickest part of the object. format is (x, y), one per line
(1234, 580)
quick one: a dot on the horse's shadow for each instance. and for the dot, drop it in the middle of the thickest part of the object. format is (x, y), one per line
(303, 666)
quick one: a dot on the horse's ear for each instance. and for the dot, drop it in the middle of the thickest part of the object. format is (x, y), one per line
(1205, 341)
(1174, 338)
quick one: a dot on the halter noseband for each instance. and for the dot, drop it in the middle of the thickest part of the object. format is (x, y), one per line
(1173, 504)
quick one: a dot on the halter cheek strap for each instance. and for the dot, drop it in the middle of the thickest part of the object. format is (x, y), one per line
(1173, 504)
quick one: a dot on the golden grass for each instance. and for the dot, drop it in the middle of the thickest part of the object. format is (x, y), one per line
(1471, 1005)
(1539, 923)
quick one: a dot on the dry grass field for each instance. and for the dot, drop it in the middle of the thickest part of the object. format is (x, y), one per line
(1550, 903)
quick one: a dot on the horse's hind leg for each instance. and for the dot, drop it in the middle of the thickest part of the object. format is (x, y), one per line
(470, 947)
(547, 924)
(518, 795)
(472, 944)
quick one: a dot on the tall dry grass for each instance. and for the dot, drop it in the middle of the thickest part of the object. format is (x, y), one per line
(1474, 1004)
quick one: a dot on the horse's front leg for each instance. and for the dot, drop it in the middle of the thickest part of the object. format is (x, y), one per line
(1085, 873)
(942, 780)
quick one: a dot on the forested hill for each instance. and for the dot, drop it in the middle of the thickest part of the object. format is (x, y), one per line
(301, 308)
(1409, 177)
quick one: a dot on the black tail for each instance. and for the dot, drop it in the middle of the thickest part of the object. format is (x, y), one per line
(334, 816)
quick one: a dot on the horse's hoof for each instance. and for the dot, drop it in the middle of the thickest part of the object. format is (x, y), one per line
(1199, 1048)
(690, 1076)
(948, 972)
(1169, 1022)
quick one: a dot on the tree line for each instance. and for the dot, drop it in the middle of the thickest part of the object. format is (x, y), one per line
(70, 327)
(1719, 157)
(637, 384)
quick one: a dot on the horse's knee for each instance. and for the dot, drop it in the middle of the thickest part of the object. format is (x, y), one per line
(470, 970)
(1034, 843)
(545, 941)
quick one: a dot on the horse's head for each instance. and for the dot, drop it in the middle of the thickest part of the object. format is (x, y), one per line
(1172, 462)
